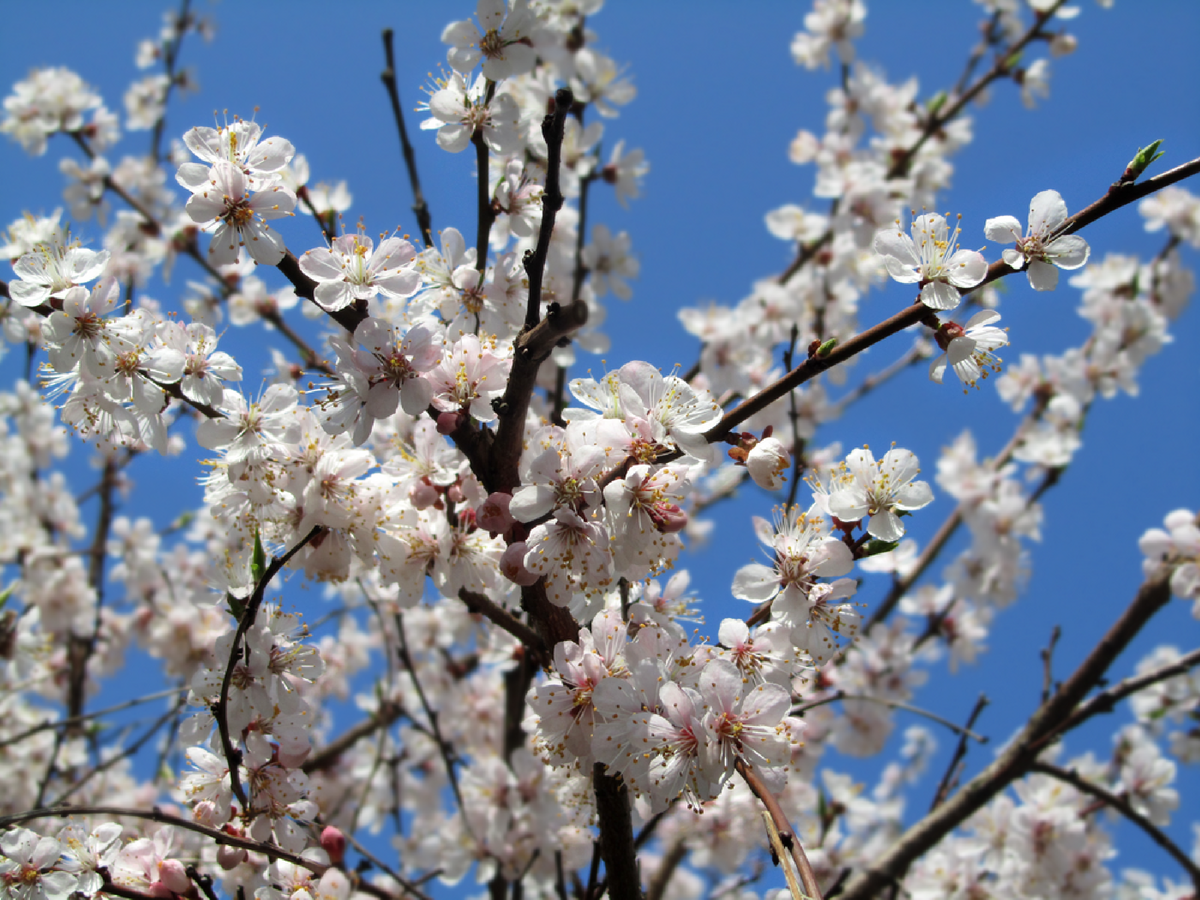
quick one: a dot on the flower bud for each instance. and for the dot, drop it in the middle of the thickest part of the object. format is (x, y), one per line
(229, 858)
(334, 843)
(173, 875)
(423, 495)
(1063, 44)
(768, 462)
(448, 422)
(493, 515)
(512, 565)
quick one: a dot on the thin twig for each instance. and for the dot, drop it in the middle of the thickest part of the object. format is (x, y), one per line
(1047, 656)
(419, 207)
(431, 715)
(484, 606)
(83, 717)
(220, 709)
(960, 751)
(787, 834)
(1156, 834)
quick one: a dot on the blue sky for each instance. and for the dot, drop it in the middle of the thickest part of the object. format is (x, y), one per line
(719, 100)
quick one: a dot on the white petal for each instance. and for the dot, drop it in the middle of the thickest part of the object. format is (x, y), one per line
(939, 295)
(1042, 275)
(1068, 252)
(1003, 230)
(1047, 211)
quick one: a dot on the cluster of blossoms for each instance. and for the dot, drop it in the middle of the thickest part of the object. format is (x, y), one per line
(385, 467)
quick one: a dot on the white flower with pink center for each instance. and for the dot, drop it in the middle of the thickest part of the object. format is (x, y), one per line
(932, 259)
(1043, 249)
(878, 491)
(354, 269)
(224, 202)
(469, 377)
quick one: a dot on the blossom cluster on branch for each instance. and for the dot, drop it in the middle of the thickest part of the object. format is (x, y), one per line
(504, 536)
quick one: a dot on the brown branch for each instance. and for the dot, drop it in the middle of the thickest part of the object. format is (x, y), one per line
(1019, 757)
(329, 755)
(616, 835)
(419, 207)
(537, 339)
(787, 834)
(498, 615)
(1156, 834)
(220, 709)
(1106, 700)
(657, 888)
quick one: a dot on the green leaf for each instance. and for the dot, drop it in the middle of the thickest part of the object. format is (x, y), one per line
(258, 562)
(874, 547)
(236, 606)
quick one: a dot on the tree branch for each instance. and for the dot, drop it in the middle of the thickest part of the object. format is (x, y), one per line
(1019, 757)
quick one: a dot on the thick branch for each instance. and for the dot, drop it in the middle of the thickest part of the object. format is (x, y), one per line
(616, 836)
(537, 339)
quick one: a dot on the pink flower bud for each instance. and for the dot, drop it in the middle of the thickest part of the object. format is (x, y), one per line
(448, 422)
(334, 843)
(173, 875)
(512, 565)
(423, 495)
(229, 858)
(494, 515)
(768, 462)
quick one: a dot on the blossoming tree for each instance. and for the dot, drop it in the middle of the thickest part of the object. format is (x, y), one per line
(510, 678)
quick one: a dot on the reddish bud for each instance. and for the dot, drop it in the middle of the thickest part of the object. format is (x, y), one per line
(493, 515)
(448, 422)
(512, 565)
(334, 843)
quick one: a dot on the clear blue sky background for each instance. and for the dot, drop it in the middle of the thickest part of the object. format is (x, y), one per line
(719, 100)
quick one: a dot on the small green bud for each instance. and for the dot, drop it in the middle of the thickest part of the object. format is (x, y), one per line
(826, 348)
(236, 607)
(1141, 161)
(258, 562)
